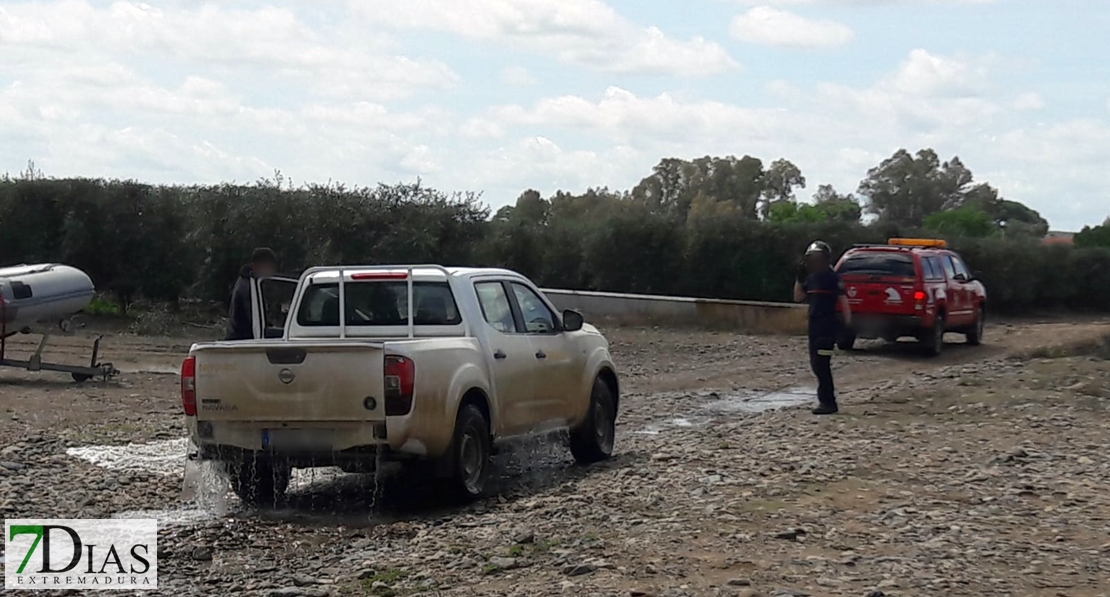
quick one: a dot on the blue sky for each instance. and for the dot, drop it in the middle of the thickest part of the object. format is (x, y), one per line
(502, 95)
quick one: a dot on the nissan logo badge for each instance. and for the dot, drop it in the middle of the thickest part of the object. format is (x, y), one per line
(286, 376)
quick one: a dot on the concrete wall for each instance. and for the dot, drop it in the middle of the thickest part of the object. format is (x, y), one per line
(637, 309)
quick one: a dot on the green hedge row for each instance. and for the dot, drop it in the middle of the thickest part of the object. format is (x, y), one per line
(165, 243)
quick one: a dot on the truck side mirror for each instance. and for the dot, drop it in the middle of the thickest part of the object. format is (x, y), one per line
(572, 320)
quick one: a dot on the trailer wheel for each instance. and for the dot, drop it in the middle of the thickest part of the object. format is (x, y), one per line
(80, 377)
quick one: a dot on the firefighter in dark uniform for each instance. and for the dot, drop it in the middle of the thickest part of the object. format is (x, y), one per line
(823, 289)
(263, 263)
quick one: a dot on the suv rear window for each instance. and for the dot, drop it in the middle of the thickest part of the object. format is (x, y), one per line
(379, 304)
(878, 263)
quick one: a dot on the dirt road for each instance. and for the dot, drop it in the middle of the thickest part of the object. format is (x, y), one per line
(982, 472)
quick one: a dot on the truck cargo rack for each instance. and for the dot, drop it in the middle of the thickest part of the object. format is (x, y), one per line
(105, 371)
(409, 273)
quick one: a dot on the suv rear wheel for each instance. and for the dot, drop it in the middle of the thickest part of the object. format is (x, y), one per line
(975, 332)
(932, 340)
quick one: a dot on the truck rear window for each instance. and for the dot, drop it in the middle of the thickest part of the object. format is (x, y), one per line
(877, 263)
(379, 304)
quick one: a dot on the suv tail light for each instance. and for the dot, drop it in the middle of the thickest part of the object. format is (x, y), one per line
(189, 386)
(400, 378)
(919, 296)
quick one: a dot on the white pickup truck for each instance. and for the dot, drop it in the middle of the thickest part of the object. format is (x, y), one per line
(428, 366)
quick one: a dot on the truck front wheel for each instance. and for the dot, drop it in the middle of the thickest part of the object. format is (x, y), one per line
(470, 453)
(258, 482)
(593, 440)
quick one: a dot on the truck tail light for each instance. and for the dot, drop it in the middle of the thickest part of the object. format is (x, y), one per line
(919, 296)
(189, 386)
(400, 378)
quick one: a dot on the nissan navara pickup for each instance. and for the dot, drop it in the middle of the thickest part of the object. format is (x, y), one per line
(422, 365)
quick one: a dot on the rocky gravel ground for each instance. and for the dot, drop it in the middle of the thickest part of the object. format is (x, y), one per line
(983, 472)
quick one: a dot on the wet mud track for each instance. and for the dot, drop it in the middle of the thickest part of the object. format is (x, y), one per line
(975, 473)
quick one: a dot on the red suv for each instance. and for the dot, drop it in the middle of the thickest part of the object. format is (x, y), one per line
(911, 287)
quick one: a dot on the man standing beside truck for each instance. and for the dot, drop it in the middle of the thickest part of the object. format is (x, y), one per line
(264, 262)
(823, 289)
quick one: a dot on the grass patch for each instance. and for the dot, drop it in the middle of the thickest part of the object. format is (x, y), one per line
(381, 584)
(103, 306)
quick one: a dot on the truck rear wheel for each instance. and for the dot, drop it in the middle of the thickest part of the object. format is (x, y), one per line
(593, 440)
(258, 482)
(469, 454)
(932, 340)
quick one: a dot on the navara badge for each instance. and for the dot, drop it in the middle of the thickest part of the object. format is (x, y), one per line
(286, 376)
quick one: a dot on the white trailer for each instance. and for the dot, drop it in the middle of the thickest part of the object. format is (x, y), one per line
(47, 293)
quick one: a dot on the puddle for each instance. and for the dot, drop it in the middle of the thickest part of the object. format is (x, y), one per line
(204, 491)
(152, 369)
(165, 457)
(178, 517)
(738, 403)
(170, 457)
(762, 402)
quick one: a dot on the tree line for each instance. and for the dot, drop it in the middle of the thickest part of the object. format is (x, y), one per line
(722, 227)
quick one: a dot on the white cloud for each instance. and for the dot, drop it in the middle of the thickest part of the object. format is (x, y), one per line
(624, 117)
(229, 42)
(517, 76)
(539, 162)
(772, 27)
(834, 132)
(855, 2)
(1028, 101)
(222, 92)
(587, 32)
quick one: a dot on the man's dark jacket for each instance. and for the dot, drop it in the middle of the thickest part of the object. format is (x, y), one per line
(239, 325)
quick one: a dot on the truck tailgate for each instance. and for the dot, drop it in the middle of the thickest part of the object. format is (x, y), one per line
(290, 381)
(880, 296)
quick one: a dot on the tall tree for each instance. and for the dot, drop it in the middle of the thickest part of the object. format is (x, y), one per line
(904, 188)
(835, 206)
(674, 184)
(1094, 236)
(779, 182)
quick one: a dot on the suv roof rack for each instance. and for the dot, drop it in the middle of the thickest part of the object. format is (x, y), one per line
(926, 243)
(905, 244)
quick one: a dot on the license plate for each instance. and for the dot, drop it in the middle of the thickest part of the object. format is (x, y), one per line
(297, 439)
